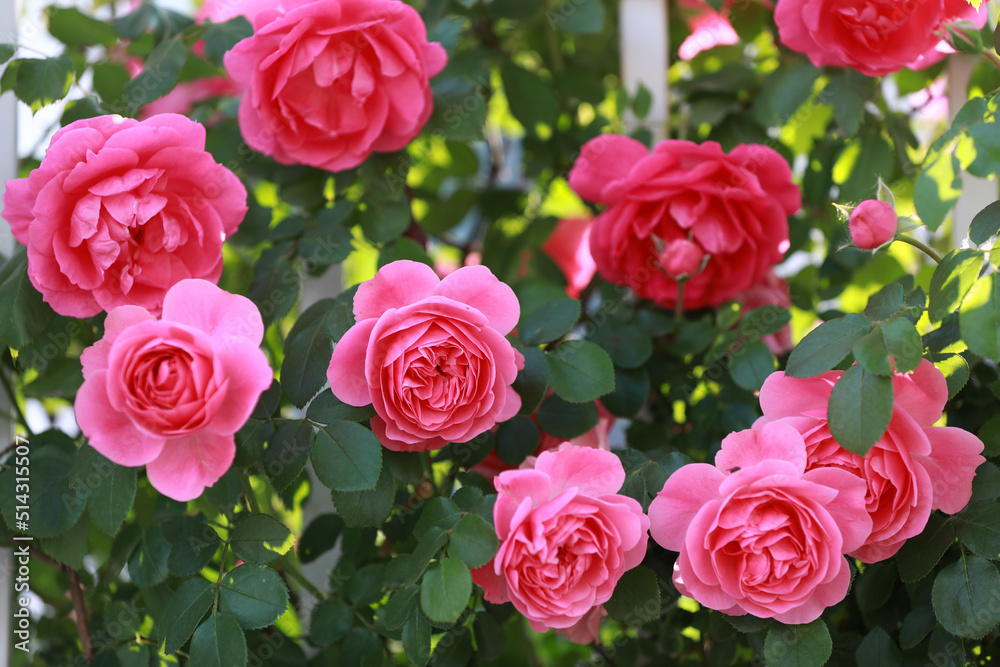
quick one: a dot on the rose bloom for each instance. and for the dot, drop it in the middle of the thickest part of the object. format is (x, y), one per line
(734, 207)
(170, 393)
(569, 247)
(430, 355)
(566, 537)
(120, 210)
(875, 37)
(913, 468)
(595, 438)
(757, 532)
(708, 27)
(329, 81)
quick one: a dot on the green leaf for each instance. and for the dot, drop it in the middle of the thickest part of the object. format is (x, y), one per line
(7, 52)
(848, 90)
(417, 638)
(327, 408)
(549, 321)
(254, 594)
(580, 371)
(193, 544)
(920, 554)
(400, 606)
(964, 597)
(750, 364)
(580, 17)
(628, 346)
(184, 611)
(443, 215)
(70, 547)
(985, 224)
(346, 456)
(979, 317)
(783, 92)
(111, 494)
(367, 508)
(251, 440)
(163, 23)
(23, 314)
(826, 346)
(873, 587)
(937, 189)
(287, 453)
(916, 626)
(517, 439)
(54, 506)
(903, 343)
(219, 642)
(643, 102)
(473, 541)
(307, 353)
(978, 527)
(158, 76)
(148, 565)
(531, 100)
(133, 655)
(221, 37)
(331, 619)
(566, 420)
(871, 352)
(382, 222)
(886, 304)
(878, 650)
(630, 394)
(636, 600)
(42, 82)
(260, 538)
(764, 321)
(951, 282)
(275, 285)
(319, 537)
(860, 409)
(446, 590)
(532, 381)
(807, 645)
(491, 640)
(74, 28)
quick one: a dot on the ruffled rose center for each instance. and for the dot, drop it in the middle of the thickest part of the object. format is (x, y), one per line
(768, 542)
(170, 387)
(871, 23)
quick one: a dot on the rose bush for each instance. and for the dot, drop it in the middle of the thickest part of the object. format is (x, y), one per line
(429, 355)
(169, 393)
(379, 361)
(367, 64)
(733, 207)
(120, 210)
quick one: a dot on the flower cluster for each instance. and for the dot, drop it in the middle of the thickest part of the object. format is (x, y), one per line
(764, 530)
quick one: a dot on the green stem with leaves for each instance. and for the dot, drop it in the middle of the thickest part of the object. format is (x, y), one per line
(921, 246)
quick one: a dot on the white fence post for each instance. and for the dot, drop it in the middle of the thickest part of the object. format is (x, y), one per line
(644, 54)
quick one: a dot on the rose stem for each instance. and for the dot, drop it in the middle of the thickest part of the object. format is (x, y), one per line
(13, 401)
(923, 247)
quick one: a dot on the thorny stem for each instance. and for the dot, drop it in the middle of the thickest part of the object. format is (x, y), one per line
(80, 614)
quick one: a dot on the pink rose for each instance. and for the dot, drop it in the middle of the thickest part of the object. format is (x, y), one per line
(329, 81)
(430, 355)
(770, 291)
(914, 468)
(757, 532)
(569, 248)
(566, 537)
(170, 393)
(733, 207)
(873, 223)
(120, 210)
(875, 37)
(708, 28)
(595, 438)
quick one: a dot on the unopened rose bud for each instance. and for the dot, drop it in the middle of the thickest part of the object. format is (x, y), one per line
(681, 259)
(963, 36)
(872, 224)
